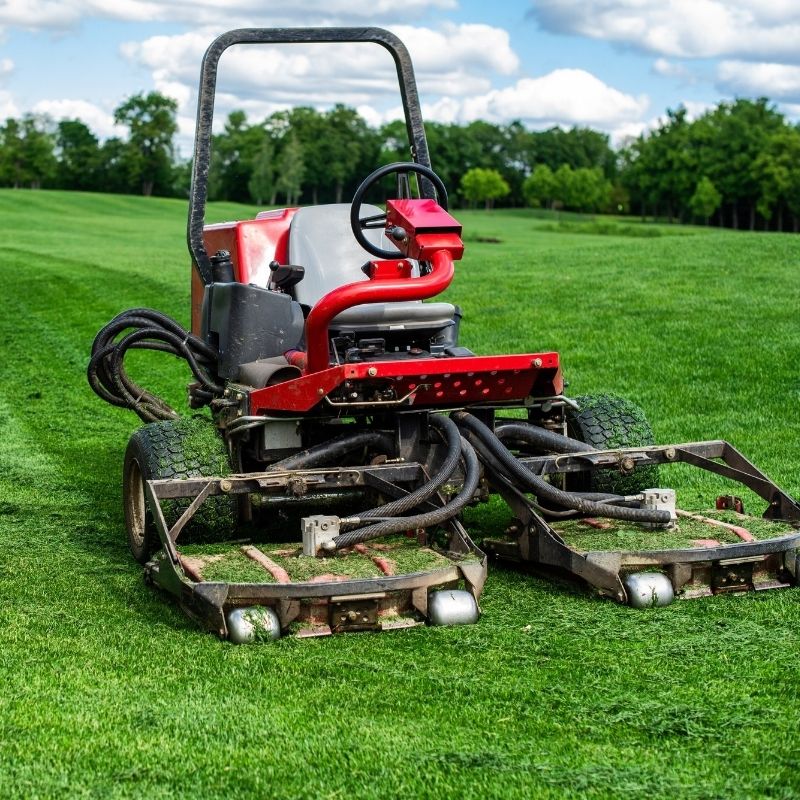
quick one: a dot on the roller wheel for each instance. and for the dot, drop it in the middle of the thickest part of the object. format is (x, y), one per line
(181, 448)
(607, 422)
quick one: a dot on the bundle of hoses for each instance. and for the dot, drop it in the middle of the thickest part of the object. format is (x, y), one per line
(498, 458)
(468, 442)
(386, 519)
(145, 329)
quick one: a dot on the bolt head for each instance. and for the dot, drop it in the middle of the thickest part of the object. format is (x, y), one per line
(537, 362)
(372, 372)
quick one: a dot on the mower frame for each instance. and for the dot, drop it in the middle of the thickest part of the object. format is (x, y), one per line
(692, 571)
(391, 391)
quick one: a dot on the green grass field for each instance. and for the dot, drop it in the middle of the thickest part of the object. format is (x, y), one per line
(108, 691)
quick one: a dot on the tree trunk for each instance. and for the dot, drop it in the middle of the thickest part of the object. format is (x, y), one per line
(735, 217)
(752, 217)
(147, 188)
(795, 223)
(339, 192)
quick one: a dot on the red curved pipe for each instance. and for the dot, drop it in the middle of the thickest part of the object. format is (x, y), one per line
(372, 291)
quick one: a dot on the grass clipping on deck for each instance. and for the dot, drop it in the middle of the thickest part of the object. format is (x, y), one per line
(226, 562)
(583, 537)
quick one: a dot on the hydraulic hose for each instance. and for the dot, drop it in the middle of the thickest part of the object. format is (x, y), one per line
(148, 330)
(444, 471)
(434, 517)
(487, 442)
(545, 440)
(331, 451)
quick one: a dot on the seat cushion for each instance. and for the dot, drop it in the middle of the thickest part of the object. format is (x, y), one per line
(396, 316)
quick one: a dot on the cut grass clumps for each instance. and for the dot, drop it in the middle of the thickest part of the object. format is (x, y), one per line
(226, 562)
(197, 448)
(583, 537)
(229, 566)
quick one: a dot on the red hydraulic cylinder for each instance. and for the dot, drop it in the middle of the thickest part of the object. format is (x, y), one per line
(377, 290)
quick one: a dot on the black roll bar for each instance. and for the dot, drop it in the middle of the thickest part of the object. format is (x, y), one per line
(198, 193)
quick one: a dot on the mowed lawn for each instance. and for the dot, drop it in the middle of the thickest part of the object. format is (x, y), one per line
(106, 690)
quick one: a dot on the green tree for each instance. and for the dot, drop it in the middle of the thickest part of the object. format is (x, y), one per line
(291, 170)
(539, 186)
(113, 166)
(483, 185)
(233, 154)
(590, 190)
(705, 200)
(564, 187)
(12, 164)
(152, 125)
(27, 155)
(304, 128)
(262, 179)
(350, 149)
(743, 129)
(78, 152)
(776, 171)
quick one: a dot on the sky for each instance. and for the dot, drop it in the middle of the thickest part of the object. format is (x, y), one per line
(613, 65)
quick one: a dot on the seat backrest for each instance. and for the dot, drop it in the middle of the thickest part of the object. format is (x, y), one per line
(321, 241)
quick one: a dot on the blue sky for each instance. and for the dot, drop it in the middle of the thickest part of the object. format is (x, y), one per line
(615, 65)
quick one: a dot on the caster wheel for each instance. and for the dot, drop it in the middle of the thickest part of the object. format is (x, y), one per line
(253, 624)
(648, 589)
(452, 607)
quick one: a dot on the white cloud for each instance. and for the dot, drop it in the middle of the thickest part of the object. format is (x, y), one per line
(222, 14)
(758, 29)
(563, 96)
(455, 66)
(453, 60)
(6, 68)
(469, 46)
(100, 121)
(672, 69)
(779, 81)
(8, 107)
(39, 14)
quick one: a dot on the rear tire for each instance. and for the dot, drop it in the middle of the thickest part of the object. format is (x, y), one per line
(608, 422)
(181, 448)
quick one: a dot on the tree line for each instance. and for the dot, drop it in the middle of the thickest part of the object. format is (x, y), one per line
(737, 165)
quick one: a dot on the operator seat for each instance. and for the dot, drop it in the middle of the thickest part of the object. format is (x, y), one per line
(321, 241)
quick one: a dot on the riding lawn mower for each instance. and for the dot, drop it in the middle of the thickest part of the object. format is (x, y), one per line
(349, 428)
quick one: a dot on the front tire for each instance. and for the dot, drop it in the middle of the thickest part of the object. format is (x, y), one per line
(608, 422)
(180, 448)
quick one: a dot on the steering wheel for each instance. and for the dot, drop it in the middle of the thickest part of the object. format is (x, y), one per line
(402, 169)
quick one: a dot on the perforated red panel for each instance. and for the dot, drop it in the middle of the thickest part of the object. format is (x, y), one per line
(429, 382)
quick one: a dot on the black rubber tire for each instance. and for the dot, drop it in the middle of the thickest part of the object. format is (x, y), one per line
(188, 447)
(608, 422)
